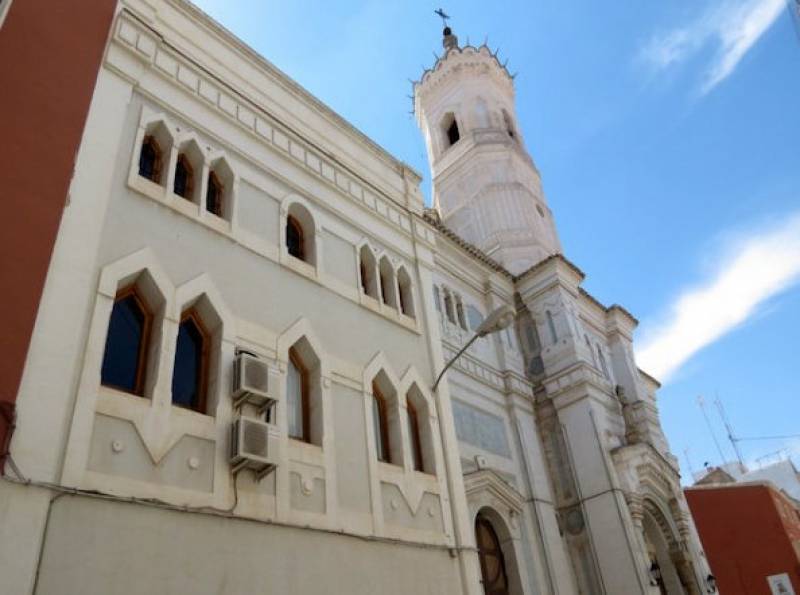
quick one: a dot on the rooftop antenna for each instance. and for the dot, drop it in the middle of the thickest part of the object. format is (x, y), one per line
(731, 437)
(688, 462)
(702, 404)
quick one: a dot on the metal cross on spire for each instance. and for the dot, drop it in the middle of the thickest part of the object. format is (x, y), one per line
(442, 14)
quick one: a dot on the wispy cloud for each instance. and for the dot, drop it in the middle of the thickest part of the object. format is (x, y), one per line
(758, 267)
(732, 26)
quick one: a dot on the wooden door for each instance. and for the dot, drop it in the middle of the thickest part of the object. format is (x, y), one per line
(493, 566)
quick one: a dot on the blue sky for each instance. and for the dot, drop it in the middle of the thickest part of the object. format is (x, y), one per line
(667, 138)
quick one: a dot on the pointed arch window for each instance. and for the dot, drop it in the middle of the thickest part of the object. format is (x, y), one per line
(214, 194)
(125, 356)
(184, 178)
(190, 373)
(388, 283)
(462, 319)
(414, 436)
(453, 135)
(150, 159)
(294, 238)
(380, 421)
(508, 124)
(297, 398)
(449, 310)
(404, 292)
(367, 269)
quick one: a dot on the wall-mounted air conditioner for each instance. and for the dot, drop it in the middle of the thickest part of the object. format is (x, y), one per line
(253, 382)
(255, 445)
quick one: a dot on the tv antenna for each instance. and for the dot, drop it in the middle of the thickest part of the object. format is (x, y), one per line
(731, 437)
(702, 404)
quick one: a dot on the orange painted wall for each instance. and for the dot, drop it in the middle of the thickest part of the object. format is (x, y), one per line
(50, 55)
(747, 533)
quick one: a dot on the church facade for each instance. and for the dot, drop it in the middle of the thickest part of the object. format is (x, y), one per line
(231, 382)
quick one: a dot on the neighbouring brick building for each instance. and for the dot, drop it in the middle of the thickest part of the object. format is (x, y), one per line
(751, 535)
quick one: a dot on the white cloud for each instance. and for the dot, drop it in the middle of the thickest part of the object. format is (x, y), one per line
(732, 26)
(759, 267)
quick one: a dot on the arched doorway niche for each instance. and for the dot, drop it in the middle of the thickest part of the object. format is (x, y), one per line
(496, 505)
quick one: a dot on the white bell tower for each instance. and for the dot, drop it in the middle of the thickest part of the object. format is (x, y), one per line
(485, 185)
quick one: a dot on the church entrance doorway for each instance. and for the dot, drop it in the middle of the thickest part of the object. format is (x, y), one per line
(493, 566)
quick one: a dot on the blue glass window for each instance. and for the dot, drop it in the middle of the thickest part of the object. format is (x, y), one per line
(126, 343)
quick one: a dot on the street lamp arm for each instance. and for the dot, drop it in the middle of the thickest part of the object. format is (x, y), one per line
(453, 359)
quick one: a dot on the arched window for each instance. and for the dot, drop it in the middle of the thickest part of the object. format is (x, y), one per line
(380, 424)
(150, 159)
(125, 357)
(297, 397)
(414, 436)
(367, 272)
(449, 310)
(190, 374)
(184, 177)
(450, 130)
(388, 289)
(490, 553)
(551, 325)
(508, 124)
(420, 432)
(462, 319)
(214, 194)
(437, 300)
(405, 294)
(294, 238)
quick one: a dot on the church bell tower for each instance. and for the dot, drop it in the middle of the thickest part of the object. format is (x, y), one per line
(485, 185)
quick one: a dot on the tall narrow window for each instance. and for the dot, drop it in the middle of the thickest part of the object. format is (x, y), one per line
(453, 135)
(449, 310)
(437, 299)
(380, 424)
(551, 325)
(294, 238)
(190, 374)
(462, 320)
(404, 292)
(150, 160)
(214, 195)
(367, 266)
(509, 125)
(184, 178)
(388, 283)
(414, 436)
(125, 357)
(297, 396)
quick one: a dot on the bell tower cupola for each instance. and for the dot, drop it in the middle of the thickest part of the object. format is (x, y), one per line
(485, 184)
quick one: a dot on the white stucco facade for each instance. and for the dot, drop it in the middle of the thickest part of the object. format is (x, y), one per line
(547, 430)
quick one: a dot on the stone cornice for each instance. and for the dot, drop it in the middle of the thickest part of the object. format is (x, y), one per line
(466, 246)
(649, 378)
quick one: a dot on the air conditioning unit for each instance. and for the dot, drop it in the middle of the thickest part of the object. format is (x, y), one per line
(255, 445)
(252, 383)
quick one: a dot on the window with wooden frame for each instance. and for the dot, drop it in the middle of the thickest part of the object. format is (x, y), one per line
(405, 294)
(367, 268)
(150, 159)
(294, 238)
(190, 373)
(380, 421)
(183, 185)
(214, 195)
(414, 436)
(125, 356)
(297, 398)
